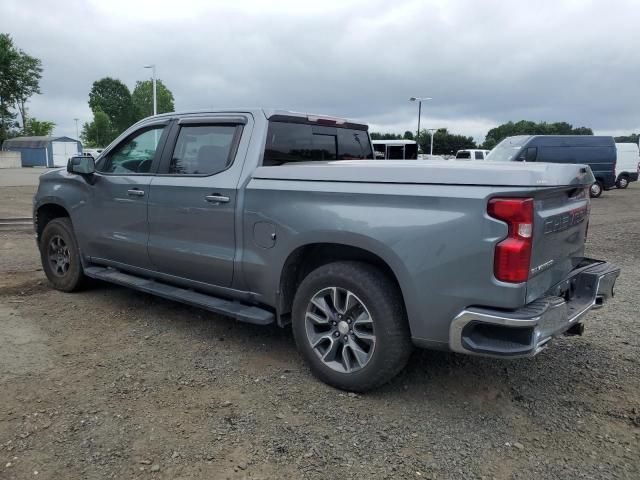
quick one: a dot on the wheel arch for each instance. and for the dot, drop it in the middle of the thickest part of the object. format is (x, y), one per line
(306, 258)
(45, 212)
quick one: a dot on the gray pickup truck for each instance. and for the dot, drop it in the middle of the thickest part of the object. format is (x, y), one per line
(280, 217)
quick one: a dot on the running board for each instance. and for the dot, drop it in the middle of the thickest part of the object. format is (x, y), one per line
(237, 310)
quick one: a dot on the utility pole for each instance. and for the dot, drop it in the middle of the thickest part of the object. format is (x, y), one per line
(77, 136)
(419, 100)
(155, 100)
(432, 132)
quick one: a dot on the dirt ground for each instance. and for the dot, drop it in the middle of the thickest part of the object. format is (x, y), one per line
(111, 383)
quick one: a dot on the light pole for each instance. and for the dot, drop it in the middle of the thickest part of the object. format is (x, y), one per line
(432, 131)
(155, 102)
(419, 100)
(77, 136)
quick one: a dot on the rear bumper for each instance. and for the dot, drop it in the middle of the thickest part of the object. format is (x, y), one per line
(526, 331)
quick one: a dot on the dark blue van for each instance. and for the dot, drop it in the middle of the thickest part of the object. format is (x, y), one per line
(597, 152)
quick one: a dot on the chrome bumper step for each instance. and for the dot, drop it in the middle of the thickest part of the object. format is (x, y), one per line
(526, 331)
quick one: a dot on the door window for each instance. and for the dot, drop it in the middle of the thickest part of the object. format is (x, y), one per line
(134, 155)
(204, 149)
(479, 155)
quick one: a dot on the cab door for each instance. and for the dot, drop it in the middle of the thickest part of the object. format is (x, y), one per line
(113, 221)
(193, 200)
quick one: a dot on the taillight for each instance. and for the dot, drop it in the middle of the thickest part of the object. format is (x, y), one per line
(513, 254)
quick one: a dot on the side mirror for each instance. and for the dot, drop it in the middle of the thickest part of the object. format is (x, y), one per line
(81, 165)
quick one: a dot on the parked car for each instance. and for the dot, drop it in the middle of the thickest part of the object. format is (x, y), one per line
(627, 164)
(426, 156)
(598, 152)
(265, 216)
(472, 154)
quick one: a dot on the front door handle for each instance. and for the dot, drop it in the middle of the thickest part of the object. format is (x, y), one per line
(217, 199)
(134, 192)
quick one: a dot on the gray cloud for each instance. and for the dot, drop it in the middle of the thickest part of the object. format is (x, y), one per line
(483, 62)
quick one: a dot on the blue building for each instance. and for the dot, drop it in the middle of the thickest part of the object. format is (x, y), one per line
(43, 151)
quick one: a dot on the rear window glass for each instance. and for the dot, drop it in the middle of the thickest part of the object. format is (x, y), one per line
(297, 142)
(479, 156)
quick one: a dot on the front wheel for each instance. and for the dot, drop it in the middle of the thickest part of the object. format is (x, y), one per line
(60, 256)
(350, 325)
(596, 189)
(623, 182)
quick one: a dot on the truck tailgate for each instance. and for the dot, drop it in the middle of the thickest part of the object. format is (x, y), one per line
(561, 217)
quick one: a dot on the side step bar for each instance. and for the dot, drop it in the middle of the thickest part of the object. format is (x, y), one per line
(237, 310)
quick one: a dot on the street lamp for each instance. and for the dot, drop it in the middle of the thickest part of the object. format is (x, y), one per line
(419, 100)
(432, 131)
(155, 103)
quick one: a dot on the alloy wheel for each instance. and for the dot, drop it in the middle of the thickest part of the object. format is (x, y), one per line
(59, 256)
(340, 329)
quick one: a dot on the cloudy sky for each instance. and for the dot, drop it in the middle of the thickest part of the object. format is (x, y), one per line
(483, 62)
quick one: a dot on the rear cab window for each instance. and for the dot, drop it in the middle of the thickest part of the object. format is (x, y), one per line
(290, 142)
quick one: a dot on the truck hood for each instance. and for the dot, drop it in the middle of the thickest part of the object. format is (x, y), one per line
(514, 174)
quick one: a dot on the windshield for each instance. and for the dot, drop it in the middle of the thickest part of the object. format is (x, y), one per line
(508, 149)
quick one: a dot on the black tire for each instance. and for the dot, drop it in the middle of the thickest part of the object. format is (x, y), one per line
(60, 256)
(381, 299)
(623, 182)
(596, 189)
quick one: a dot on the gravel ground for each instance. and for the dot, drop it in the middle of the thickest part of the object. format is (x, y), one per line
(111, 383)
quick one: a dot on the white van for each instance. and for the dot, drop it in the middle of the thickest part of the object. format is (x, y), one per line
(472, 154)
(627, 164)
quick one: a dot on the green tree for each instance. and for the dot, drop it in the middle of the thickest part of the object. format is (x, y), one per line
(28, 71)
(142, 98)
(38, 128)
(527, 127)
(99, 132)
(113, 98)
(408, 135)
(8, 57)
(444, 143)
(385, 136)
(633, 138)
(20, 76)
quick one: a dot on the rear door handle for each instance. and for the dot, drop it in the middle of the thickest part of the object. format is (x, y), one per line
(134, 192)
(217, 199)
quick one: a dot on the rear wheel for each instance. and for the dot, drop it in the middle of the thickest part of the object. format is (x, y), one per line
(623, 182)
(596, 189)
(349, 324)
(60, 256)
